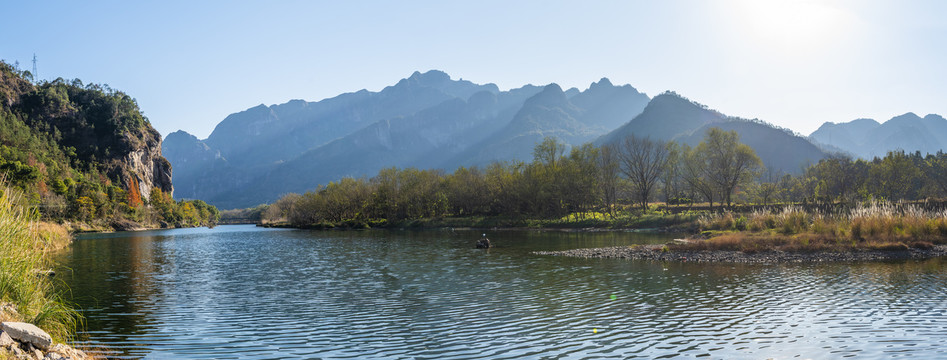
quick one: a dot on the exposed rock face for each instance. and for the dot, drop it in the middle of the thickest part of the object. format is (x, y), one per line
(149, 170)
(27, 333)
(137, 162)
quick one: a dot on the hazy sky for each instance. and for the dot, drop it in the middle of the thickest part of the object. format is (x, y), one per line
(793, 63)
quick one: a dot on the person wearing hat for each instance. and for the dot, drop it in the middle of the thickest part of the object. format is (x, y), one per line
(483, 243)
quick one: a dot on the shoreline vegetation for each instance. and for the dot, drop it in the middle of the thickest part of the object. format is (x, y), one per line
(875, 226)
(876, 231)
(661, 253)
(28, 294)
(657, 221)
(719, 191)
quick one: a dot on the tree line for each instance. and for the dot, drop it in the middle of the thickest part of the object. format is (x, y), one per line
(630, 175)
(555, 183)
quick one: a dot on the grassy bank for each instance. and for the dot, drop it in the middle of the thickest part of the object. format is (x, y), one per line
(25, 246)
(875, 226)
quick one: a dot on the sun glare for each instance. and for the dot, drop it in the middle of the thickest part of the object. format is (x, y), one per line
(792, 24)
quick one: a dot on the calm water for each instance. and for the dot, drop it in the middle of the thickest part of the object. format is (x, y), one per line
(243, 292)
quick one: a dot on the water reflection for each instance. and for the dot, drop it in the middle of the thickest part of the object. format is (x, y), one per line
(245, 292)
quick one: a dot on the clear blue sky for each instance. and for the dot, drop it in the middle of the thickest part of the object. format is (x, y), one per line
(793, 63)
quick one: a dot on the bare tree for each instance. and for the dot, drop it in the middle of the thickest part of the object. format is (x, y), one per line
(608, 165)
(642, 162)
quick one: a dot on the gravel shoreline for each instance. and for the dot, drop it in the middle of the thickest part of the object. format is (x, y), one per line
(654, 252)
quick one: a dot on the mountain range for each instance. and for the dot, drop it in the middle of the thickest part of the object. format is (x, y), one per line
(426, 120)
(867, 138)
(429, 120)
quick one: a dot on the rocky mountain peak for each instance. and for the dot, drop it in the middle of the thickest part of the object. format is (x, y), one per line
(909, 116)
(551, 96)
(429, 78)
(603, 83)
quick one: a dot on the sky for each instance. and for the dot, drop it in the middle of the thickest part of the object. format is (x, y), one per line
(793, 63)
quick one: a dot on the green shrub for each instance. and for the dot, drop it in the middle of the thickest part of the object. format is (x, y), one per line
(740, 223)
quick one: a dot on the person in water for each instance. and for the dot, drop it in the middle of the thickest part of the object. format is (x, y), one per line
(483, 243)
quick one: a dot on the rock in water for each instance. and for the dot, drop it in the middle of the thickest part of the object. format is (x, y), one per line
(28, 333)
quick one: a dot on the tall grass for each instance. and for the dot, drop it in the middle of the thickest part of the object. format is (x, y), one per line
(876, 225)
(24, 250)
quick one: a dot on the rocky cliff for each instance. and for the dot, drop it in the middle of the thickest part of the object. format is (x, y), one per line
(145, 168)
(65, 132)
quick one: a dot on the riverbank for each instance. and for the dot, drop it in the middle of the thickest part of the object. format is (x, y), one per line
(33, 311)
(668, 253)
(75, 227)
(23, 340)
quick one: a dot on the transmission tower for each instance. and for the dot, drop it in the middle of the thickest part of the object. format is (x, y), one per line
(34, 67)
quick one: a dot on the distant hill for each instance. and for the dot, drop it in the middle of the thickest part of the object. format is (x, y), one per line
(670, 116)
(489, 126)
(264, 135)
(199, 168)
(255, 141)
(418, 140)
(779, 149)
(552, 113)
(548, 113)
(866, 138)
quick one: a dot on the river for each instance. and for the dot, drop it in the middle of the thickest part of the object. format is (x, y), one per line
(246, 292)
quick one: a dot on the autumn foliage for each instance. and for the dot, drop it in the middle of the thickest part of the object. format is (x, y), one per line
(134, 194)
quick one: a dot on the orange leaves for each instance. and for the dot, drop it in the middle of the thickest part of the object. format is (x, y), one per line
(134, 193)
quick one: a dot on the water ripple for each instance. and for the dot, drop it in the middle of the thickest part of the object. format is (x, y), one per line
(239, 292)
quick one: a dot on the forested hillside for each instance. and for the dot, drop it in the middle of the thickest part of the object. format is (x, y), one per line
(85, 153)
